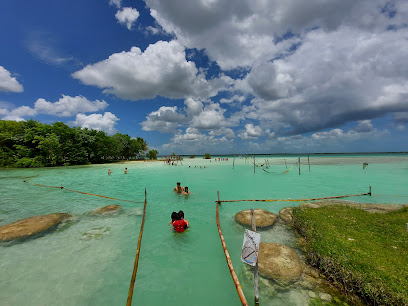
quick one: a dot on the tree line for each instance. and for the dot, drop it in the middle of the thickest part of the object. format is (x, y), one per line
(33, 144)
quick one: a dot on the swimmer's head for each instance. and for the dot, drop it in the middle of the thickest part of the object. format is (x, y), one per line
(186, 189)
(181, 214)
(178, 184)
(174, 216)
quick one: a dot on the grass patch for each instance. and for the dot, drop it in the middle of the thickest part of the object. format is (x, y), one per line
(361, 253)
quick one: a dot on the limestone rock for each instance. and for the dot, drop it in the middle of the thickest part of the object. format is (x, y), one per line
(325, 297)
(31, 226)
(286, 214)
(309, 205)
(279, 262)
(262, 217)
(107, 210)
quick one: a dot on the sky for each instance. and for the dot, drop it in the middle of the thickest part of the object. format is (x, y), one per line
(217, 76)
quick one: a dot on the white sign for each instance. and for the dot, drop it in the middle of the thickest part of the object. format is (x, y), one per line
(250, 247)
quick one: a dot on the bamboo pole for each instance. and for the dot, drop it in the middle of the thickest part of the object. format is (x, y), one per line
(299, 164)
(228, 258)
(233, 162)
(254, 163)
(369, 190)
(139, 242)
(256, 293)
(308, 162)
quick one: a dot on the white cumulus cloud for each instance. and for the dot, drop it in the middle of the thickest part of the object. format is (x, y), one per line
(105, 122)
(9, 83)
(127, 16)
(68, 106)
(161, 70)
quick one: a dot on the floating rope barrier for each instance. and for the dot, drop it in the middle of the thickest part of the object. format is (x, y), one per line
(297, 200)
(139, 242)
(286, 171)
(229, 262)
(81, 192)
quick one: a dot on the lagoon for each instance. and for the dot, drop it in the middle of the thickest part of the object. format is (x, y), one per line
(91, 261)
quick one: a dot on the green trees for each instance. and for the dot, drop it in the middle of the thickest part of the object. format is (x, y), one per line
(207, 156)
(152, 154)
(33, 144)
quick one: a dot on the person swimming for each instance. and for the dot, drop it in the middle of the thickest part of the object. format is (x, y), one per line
(178, 188)
(186, 191)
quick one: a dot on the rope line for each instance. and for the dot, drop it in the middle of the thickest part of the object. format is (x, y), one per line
(296, 200)
(229, 262)
(139, 242)
(81, 192)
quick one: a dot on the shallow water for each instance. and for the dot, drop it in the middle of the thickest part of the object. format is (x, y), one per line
(90, 262)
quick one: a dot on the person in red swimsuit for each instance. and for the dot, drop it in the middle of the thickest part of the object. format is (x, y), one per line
(180, 224)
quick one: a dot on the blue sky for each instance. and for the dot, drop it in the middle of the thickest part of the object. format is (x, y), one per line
(218, 76)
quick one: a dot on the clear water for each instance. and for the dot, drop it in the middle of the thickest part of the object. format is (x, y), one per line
(91, 262)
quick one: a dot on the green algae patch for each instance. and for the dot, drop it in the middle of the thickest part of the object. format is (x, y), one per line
(360, 252)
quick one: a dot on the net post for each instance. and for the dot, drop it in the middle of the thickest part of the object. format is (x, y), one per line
(254, 163)
(218, 194)
(308, 162)
(299, 164)
(145, 195)
(256, 293)
(369, 190)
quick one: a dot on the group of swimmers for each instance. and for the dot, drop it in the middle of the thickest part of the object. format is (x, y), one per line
(124, 171)
(181, 190)
(178, 222)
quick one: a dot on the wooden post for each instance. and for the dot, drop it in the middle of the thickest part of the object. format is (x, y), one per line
(369, 190)
(233, 162)
(254, 163)
(299, 164)
(218, 194)
(256, 293)
(308, 162)
(285, 164)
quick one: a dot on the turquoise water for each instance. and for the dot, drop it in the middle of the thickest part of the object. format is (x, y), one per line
(73, 266)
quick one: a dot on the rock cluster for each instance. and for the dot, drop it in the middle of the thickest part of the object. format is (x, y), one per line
(279, 262)
(106, 210)
(29, 227)
(263, 218)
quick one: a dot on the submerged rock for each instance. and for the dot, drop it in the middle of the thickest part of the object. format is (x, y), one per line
(107, 210)
(31, 226)
(279, 262)
(262, 217)
(96, 233)
(286, 214)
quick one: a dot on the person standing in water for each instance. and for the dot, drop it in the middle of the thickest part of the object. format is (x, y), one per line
(180, 225)
(181, 214)
(109, 172)
(126, 171)
(186, 191)
(174, 216)
(178, 188)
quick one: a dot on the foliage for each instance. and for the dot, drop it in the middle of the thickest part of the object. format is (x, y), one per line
(152, 154)
(207, 156)
(192, 156)
(33, 144)
(360, 252)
